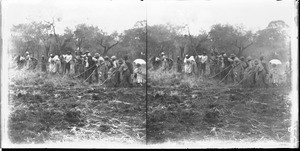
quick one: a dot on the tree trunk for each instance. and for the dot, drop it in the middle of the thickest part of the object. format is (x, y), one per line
(181, 52)
(105, 51)
(240, 51)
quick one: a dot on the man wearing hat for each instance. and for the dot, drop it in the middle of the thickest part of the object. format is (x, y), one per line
(107, 62)
(117, 77)
(114, 62)
(227, 67)
(262, 74)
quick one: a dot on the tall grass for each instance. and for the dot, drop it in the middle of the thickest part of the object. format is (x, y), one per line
(173, 78)
(38, 78)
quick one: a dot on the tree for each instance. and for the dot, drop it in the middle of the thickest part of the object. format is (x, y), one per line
(197, 43)
(230, 39)
(243, 39)
(84, 36)
(133, 41)
(107, 41)
(274, 40)
(161, 38)
(30, 37)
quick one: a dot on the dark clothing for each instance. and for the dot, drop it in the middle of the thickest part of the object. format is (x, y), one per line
(179, 65)
(90, 69)
(130, 67)
(44, 65)
(127, 74)
(227, 68)
(126, 81)
(67, 67)
(202, 68)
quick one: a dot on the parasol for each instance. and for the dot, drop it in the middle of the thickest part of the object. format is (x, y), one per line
(139, 61)
(275, 61)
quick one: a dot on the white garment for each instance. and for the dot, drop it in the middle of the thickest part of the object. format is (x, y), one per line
(204, 59)
(192, 58)
(200, 57)
(184, 61)
(52, 67)
(139, 77)
(68, 58)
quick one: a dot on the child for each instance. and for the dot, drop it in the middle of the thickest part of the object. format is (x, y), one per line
(138, 74)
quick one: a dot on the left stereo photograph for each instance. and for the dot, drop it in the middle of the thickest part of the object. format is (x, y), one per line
(75, 74)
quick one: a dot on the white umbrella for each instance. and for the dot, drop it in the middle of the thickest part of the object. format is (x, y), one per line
(275, 61)
(139, 61)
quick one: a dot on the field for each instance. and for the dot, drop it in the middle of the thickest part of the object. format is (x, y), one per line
(182, 108)
(49, 109)
(46, 109)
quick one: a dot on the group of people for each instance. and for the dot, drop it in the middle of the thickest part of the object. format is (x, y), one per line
(96, 68)
(231, 68)
(122, 72)
(26, 61)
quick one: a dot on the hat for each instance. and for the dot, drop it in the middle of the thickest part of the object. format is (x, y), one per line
(97, 55)
(106, 57)
(233, 55)
(162, 53)
(27, 52)
(113, 57)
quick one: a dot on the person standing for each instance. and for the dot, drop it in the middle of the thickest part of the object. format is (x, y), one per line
(114, 63)
(185, 62)
(44, 64)
(98, 59)
(127, 73)
(76, 63)
(68, 59)
(90, 68)
(274, 75)
(179, 64)
(28, 60)
(188, 66)
(198, 63)
(51, 64)
(193, 65)
(63, 63)
(203, 64)
(86, 65)
(57, 63)
(212, 62)
(262, 75)
(139, 79)
(103, 70)
(81, 65)
(227, 68)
